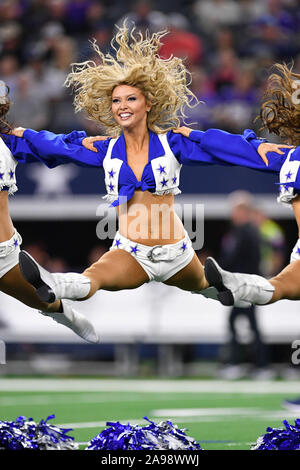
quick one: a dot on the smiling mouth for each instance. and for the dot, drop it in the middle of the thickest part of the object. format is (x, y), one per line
(125, 116)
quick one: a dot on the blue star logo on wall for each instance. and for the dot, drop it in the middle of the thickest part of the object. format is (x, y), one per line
(111, 173)
(134, 249)
(164, 182)
(118, 243)
(161, 169)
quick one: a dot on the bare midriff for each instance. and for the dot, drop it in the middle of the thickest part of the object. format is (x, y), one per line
(150, 219)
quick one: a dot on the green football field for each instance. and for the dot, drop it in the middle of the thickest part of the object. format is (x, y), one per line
(218, 414)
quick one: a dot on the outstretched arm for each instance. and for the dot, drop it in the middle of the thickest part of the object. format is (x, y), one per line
(54, 149)
(231, 149)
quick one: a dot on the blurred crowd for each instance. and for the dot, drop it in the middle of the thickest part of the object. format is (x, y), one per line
(229, 46)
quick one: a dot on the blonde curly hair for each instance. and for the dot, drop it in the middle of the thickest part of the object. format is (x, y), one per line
(163, 82)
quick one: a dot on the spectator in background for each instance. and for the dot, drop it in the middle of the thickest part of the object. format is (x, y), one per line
(250, 10)
(9, 70)
(225, 70)
(56, 10)
(29, 107)
(75, 17)
(240, 252)
(180, 42)
(238, 102)
(213, 14)
(273, 244)
(201, 117)
(97, 16)
(62, 116)
(144, 17)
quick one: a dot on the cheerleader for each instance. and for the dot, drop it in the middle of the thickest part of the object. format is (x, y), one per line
(11, 280)
(140, 98)
(280, 114)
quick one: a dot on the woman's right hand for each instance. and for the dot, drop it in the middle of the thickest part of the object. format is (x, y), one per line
(18, 131)
(88, 142)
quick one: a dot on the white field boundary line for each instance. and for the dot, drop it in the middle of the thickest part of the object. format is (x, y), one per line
(230, 414)
(149, 386)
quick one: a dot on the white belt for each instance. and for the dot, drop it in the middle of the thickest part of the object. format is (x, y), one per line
(155, 253)
(7, 247)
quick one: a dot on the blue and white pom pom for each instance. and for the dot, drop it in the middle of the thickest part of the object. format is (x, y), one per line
(162, 436)
(287, 438)
(27, 434)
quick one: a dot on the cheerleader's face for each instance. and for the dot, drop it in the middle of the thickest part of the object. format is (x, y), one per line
(129, 106)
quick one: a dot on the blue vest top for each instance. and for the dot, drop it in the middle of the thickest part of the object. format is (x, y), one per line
(160, 174)
(167, 153)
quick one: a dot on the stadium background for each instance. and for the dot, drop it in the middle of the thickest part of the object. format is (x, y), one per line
(229, 46)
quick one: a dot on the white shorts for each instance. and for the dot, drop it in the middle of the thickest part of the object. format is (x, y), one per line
(9, 253)
(160, 261)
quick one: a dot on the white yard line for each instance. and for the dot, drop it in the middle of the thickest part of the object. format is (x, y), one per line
(149, 386)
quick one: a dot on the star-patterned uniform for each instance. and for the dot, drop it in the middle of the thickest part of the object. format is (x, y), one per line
(167, 153)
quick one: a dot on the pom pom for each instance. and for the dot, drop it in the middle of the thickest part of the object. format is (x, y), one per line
(27, 434)
(154, 436)
(287, 438)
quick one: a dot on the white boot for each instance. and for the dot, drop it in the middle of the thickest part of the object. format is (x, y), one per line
(237, 288)
(53, 286)
(75, 321)
(7, 169)
(295, 255)
(213, 293)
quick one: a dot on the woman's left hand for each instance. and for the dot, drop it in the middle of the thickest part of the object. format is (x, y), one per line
(18, 131)
(266, 147)
(183, 130)
(88, 142)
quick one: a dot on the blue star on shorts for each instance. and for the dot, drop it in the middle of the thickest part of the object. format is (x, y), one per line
(183, 247)
(118, 243)
(134, 249)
